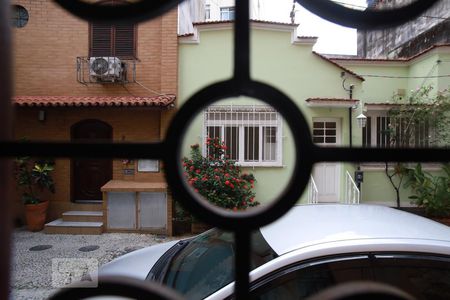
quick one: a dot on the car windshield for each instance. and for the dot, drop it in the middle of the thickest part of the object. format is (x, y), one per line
(206, 264)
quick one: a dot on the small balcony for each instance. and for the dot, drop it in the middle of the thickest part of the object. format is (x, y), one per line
(105, 70)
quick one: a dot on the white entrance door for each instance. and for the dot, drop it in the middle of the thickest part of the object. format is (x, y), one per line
(326, 133)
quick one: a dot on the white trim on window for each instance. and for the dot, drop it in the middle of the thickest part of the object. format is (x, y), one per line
(252, 133)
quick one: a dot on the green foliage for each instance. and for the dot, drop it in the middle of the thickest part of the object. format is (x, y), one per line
(33, 175)
(218, 179)
(420, 120)
(180, 213)
(420, 109)
(430, 191)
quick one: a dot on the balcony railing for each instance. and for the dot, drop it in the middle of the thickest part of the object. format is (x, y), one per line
(105, 70)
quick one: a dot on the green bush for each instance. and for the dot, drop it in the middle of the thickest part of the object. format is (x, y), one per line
(34, 176)
(430, 192)
(218, 179)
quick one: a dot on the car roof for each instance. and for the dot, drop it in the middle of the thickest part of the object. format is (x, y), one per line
(307, 225)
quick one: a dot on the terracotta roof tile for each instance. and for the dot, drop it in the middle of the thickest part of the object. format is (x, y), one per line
(162, 101)
(185, 35)
(252, 21)
(307, 37)
(338, 65)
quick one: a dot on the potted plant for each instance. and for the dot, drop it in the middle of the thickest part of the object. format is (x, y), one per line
(181, 221)
(34, 178)
(432, 192)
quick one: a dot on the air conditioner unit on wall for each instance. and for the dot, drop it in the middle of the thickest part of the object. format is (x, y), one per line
(107, 69)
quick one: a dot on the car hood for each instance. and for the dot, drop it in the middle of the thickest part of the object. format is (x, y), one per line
(136, 264)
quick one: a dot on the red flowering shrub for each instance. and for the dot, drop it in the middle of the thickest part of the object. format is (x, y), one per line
(218, 179)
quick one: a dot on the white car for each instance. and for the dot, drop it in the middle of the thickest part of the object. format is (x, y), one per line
(309, 249)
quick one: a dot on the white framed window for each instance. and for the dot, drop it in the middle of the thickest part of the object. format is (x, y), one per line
(326, 131)
(251, 133)
(227, 13)
(384, 131)
(207, 11)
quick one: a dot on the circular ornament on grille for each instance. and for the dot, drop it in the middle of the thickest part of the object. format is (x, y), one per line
(100, 66)
(121, 286)
(254, 218)
(368, 18)
(137, 11)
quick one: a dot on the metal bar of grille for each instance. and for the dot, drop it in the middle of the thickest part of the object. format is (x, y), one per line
(242, 264)
(144, 10)
(156, 151)
(242, 42)
(87, 150)
(5, 134)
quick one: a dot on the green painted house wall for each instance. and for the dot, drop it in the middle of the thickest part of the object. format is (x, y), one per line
(407, 75)
(206, 57)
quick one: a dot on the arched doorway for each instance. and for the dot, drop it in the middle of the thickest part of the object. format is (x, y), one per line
(89, 175)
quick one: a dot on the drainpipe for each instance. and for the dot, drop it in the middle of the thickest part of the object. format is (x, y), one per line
(350, 93)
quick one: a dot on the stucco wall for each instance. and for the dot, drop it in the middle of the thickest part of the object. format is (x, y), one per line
(299, 73)
(293, 69)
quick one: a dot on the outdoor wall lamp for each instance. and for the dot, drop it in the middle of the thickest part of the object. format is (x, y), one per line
(362, 120)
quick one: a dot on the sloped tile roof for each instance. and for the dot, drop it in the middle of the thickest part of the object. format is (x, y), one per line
(401, 59)
(338, 65)
(161, 101)
(251, 20)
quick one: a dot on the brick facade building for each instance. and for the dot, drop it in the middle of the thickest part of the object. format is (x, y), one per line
(60, 97)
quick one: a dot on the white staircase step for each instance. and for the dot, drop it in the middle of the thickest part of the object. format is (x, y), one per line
(61, 223)
(67, 227)
(83, 213)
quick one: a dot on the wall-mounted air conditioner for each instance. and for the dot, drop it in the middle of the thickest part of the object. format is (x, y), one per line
(105, 68)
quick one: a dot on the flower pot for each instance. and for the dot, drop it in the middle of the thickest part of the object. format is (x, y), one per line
(35, 215)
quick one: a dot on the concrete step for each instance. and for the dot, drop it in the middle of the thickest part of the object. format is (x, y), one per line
(86, 206)
(62, 227)
(82, 216)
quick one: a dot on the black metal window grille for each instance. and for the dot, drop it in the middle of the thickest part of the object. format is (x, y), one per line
(241, 84)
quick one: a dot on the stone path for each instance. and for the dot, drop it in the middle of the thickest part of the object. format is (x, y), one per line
(32, 270)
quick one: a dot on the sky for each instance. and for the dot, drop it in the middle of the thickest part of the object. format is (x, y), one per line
(333, 39)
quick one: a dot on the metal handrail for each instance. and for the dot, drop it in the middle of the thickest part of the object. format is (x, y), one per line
(312, 191)
(352, 193)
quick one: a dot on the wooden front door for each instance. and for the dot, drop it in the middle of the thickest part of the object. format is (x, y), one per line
(89, 175)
